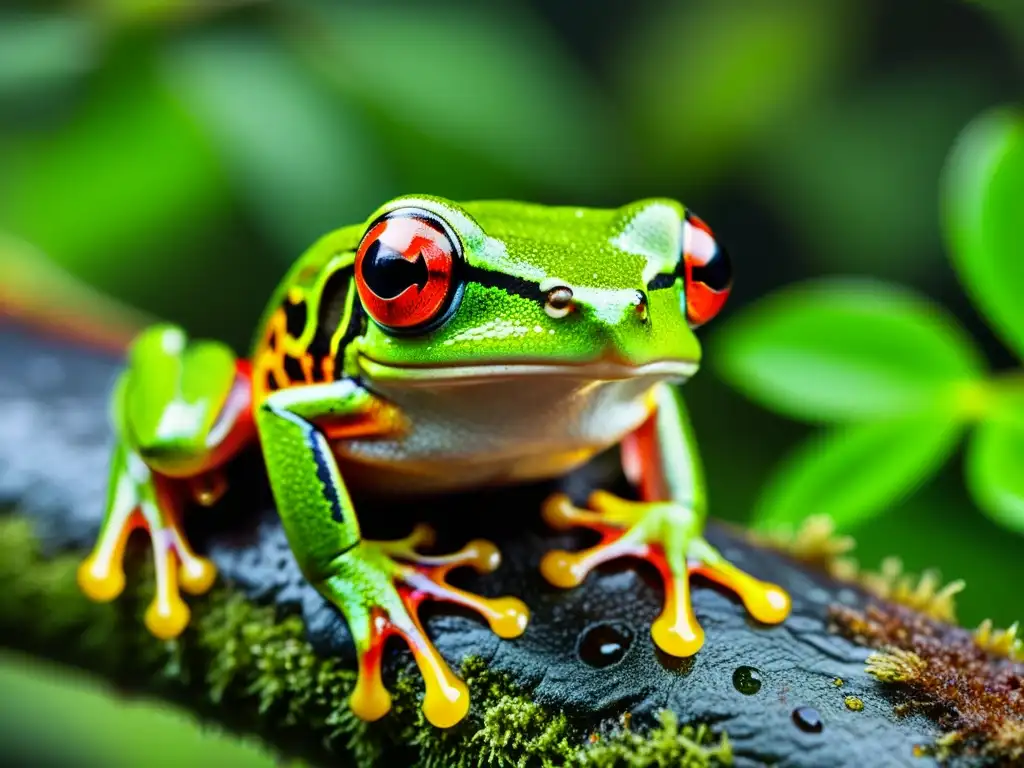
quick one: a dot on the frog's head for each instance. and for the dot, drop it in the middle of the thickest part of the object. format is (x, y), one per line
(498, 289)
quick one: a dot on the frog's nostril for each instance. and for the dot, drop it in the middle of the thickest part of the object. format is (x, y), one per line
(640, 304)
(559, 301)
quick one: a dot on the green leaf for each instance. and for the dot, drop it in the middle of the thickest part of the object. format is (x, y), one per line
(854, 473)
(995, 469)
(983, 199)
(706, 81)
(484, 78)
(841, 350)
(297, 156)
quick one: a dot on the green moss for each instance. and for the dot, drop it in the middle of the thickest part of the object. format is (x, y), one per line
(41, 597)
(504, 729)
(669, 744)
(252, 670)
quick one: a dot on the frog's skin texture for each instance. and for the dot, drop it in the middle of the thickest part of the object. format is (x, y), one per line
(438, 347)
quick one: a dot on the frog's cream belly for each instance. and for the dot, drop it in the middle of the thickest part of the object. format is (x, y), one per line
(494, 432)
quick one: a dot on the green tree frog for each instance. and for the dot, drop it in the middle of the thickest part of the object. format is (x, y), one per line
(439, 347)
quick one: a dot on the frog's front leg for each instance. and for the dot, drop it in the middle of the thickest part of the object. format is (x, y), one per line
(666, 529)
(180, 410)
(378, 586)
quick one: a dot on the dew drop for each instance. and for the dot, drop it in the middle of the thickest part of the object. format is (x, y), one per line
(604, 644)
(808, 719)
(854, 703)
(747, 680)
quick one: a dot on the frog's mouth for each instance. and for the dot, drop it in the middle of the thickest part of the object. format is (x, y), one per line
(599, 370)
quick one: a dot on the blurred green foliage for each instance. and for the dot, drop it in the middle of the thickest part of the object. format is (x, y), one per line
(984, 205)
(178, 154)
(897, 365)
(99, 727)
(840, 350)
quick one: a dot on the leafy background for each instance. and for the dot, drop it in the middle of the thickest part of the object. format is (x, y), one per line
(178, 154)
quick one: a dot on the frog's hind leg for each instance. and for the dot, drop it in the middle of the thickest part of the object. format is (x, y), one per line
(665, 529)
(180, 411)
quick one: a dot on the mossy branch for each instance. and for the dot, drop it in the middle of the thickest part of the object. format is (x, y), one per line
(266, 656)
(252, 671)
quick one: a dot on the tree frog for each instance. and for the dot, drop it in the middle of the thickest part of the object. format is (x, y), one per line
(439, 347)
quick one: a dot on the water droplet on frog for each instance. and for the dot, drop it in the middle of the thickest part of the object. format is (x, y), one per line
(747, 680)
(604, 644)
(808, 719)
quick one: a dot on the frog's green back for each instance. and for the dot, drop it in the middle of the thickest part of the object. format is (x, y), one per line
(559, 225)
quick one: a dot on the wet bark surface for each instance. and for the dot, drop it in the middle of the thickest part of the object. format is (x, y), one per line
(587, 651)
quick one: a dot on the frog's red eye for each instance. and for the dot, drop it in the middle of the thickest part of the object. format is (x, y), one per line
(406, 269)
(708, 272)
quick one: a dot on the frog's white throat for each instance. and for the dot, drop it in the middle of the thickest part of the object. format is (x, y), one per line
(495, 424)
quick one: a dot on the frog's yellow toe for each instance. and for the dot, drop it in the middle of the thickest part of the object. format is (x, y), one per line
(370, 700)
(445, 696)
(482, 555)
(166, 619)
(562, 569)
(676, 631)
(508, 616)
(196, 575)
(100, 580)
(771, 605)
(446, 704)
(768, 603)
(677, 638)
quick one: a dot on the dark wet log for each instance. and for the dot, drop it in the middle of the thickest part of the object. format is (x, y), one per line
(266, 656)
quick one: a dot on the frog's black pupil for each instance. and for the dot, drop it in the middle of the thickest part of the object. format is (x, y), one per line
(387, 273)
(717, 273)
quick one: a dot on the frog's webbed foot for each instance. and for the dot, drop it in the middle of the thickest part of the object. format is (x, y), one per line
(669, 536)
(379, 587)
(153, 504)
